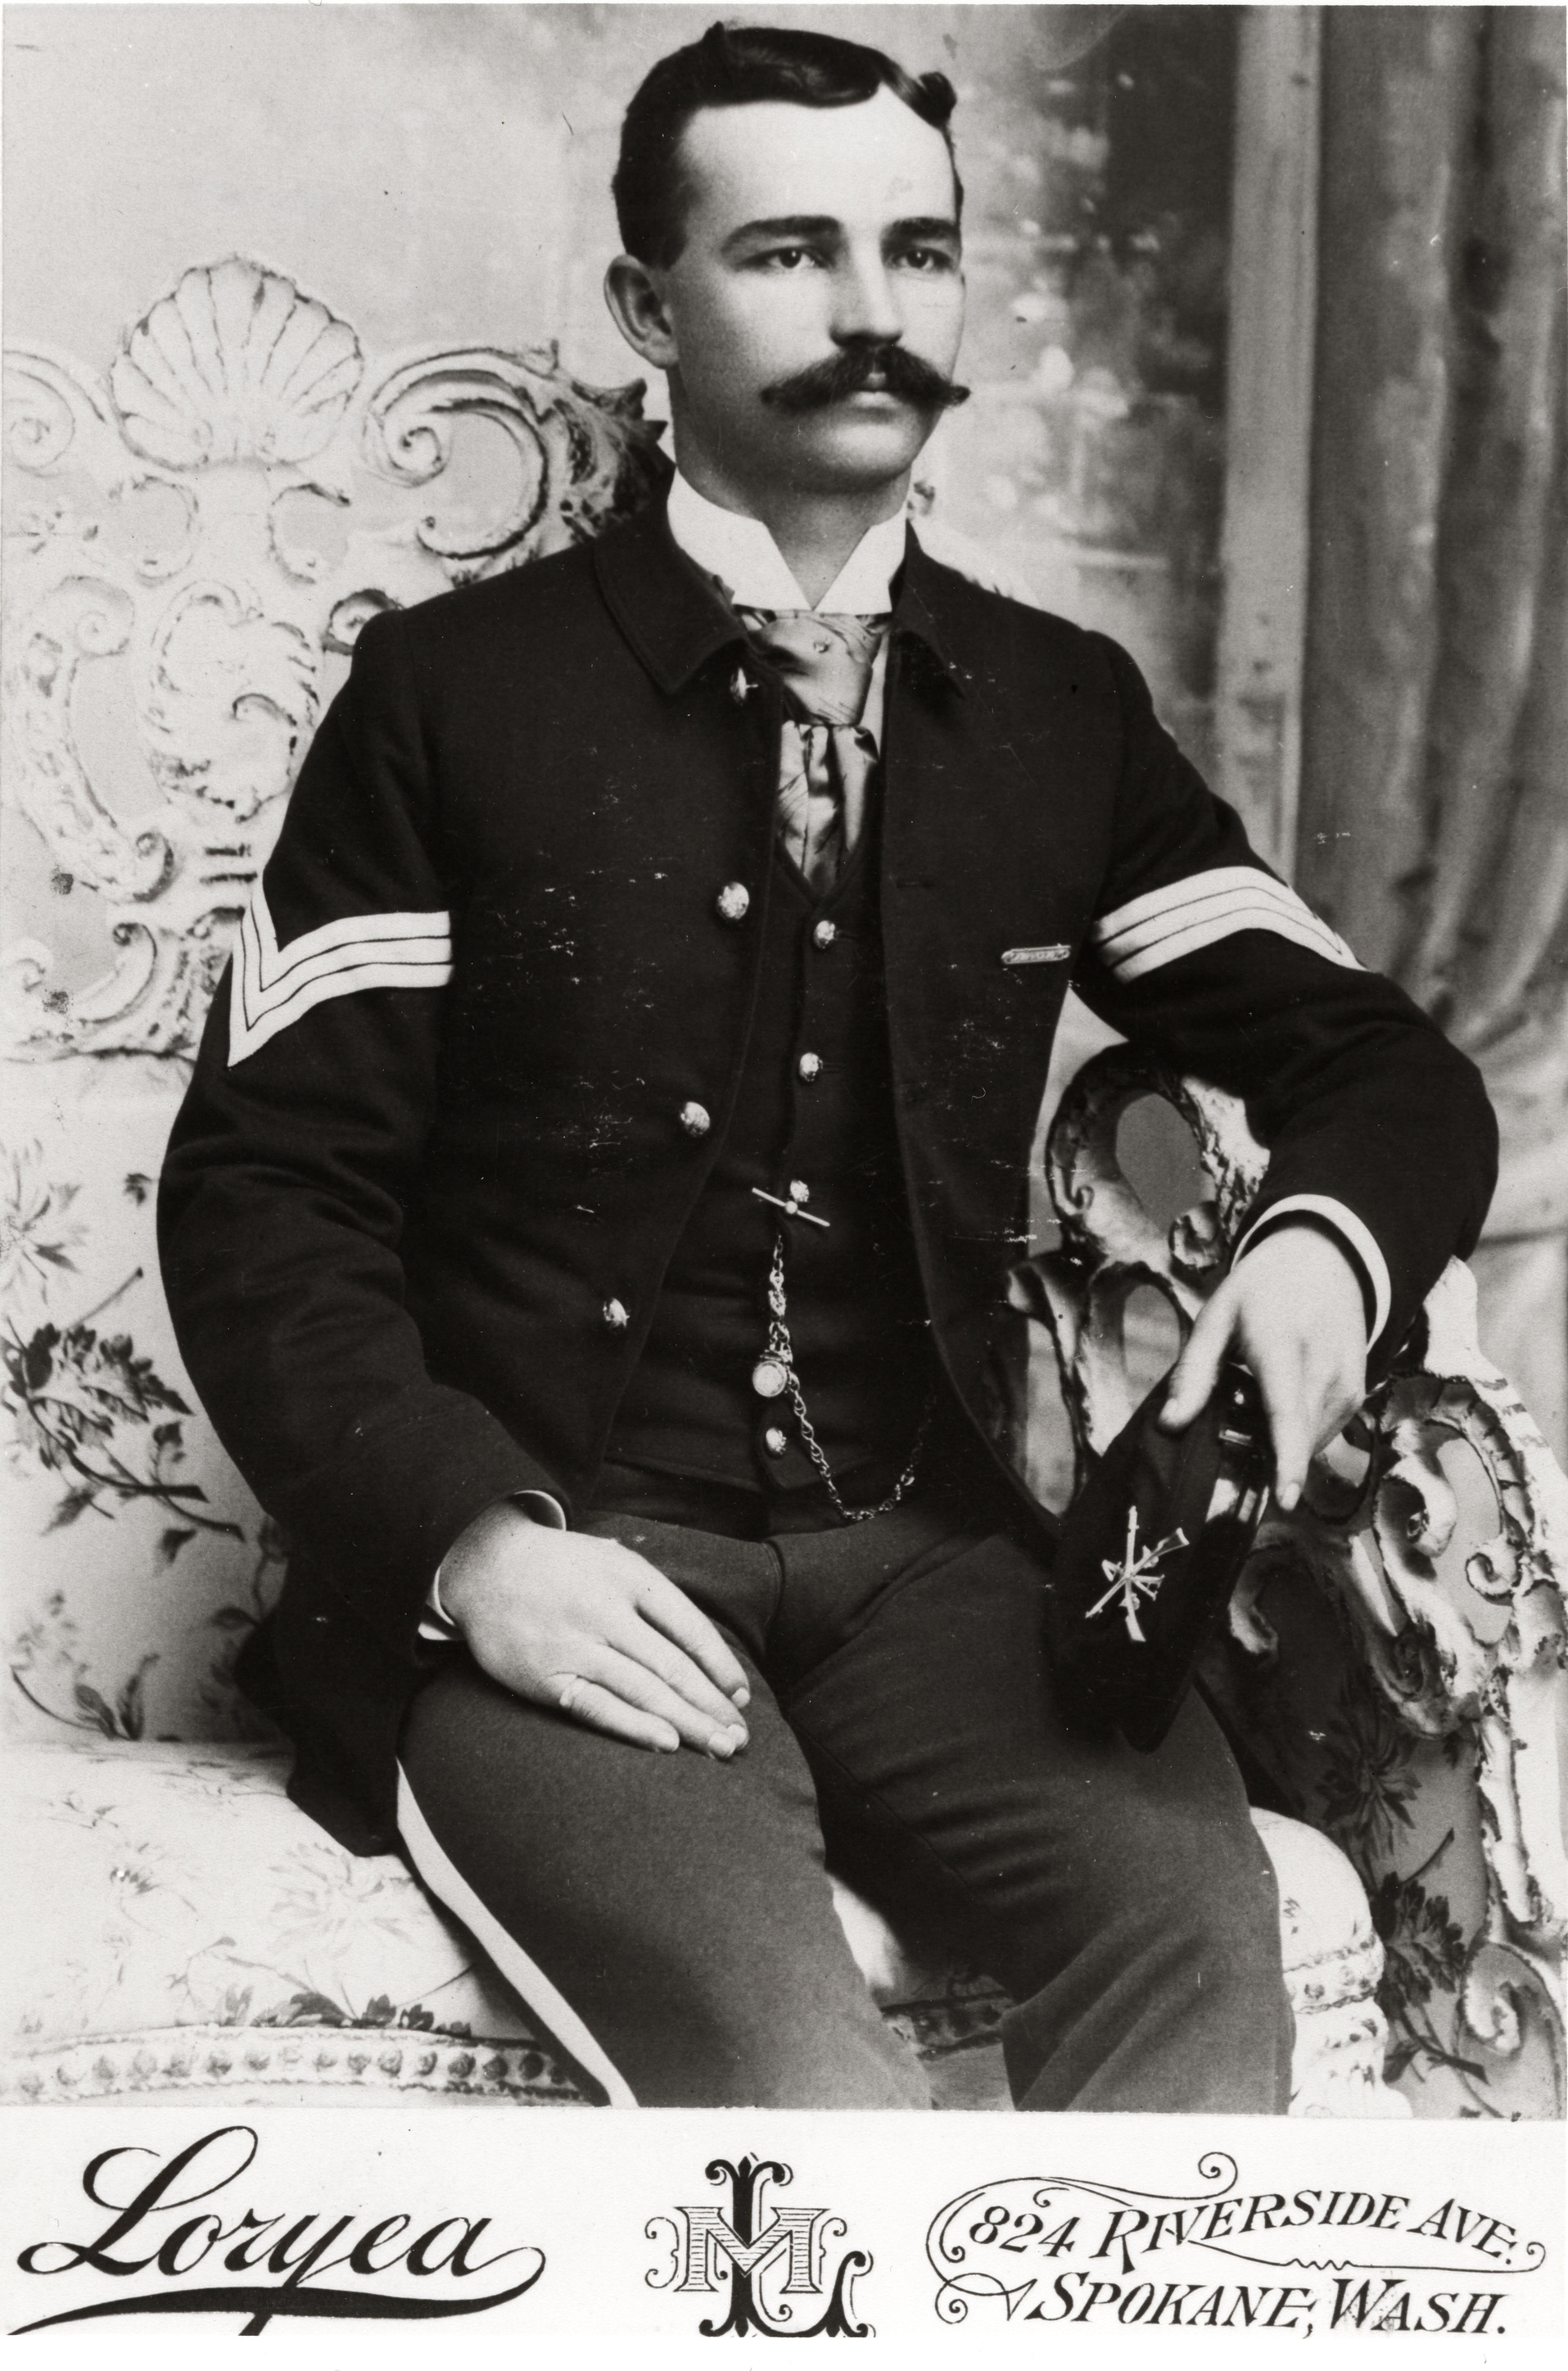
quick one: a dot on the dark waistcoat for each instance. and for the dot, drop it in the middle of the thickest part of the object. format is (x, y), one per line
(815, 1108)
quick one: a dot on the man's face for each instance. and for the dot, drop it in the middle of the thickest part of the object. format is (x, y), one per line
(813, 234)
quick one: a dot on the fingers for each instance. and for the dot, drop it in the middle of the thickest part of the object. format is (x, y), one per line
(1292, 1407)
(668, 1663)
(596, 1708)
(1196, 1371)
(586, 1625)
(1304, 1335)
(1306, 1408)
(638, 1687)
(1341, 1407)
(669, 1610)
(1303, 1389)
(1293, 1309)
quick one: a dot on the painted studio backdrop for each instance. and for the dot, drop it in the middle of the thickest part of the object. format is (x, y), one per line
(303, 318)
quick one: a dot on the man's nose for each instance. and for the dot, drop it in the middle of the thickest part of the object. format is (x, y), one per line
(866, 308)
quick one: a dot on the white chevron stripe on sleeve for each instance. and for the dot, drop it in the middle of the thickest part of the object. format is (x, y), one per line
(273, 987)
(1162, 924)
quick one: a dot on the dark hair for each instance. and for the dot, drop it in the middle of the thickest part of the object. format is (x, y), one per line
(737, 66)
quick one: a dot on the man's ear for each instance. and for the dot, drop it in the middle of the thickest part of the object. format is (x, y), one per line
(635, 296)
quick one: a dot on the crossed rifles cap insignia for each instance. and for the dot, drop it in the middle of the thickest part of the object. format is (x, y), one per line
(1137, 1575)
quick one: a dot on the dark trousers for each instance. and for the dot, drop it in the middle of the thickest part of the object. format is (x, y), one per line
(904, 1729)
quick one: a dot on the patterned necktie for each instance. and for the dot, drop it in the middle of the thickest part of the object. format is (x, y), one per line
(826, 758)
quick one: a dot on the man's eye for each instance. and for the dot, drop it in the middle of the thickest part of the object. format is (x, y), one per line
(928, 258)
(788, 259)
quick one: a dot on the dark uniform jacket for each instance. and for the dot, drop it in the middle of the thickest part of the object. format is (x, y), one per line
(432, 1168)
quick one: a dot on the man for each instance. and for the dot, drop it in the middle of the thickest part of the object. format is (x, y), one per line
(591, 1219)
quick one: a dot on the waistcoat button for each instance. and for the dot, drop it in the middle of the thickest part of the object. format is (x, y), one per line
(775, 1441)
(695, 1119)
(810, 1066)
(733, 902)
(615, 1317)
(823, 933)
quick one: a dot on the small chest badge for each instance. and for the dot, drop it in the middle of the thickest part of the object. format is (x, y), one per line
(1058, 951)
(1135, 1577)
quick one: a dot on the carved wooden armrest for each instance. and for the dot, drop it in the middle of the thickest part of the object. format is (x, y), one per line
(1465, 1639)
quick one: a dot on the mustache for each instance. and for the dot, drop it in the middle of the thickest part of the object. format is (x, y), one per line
(845, 374)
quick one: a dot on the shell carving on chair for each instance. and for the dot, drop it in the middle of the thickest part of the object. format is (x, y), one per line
(193, 541)
(235, 365)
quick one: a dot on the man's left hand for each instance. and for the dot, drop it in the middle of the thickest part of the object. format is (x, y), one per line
(1292, 1312)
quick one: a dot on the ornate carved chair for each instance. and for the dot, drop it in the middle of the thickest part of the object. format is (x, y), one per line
(193, 544)
(1393, 1667)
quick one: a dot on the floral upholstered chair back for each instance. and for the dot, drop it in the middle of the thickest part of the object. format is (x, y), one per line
(192, 542)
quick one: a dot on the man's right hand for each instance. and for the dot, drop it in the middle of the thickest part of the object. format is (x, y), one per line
(595, 1630)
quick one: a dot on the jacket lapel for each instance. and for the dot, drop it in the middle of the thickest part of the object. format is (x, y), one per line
(674, 619)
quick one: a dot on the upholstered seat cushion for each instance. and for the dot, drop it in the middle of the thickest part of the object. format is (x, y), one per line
(187, 1927)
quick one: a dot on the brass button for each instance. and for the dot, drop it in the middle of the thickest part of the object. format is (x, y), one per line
(799, 1190)
(810, 1066)
(733, 902)
(695, 1119)
(775, 1441)
(616, 1316)
(823, 933)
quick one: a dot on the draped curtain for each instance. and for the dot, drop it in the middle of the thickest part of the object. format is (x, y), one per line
(1433, 822)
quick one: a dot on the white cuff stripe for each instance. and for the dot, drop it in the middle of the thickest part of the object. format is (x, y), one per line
(272, 988)
(528, 1979)
(1160, 925)
(435, 1623)
(1356, 1232)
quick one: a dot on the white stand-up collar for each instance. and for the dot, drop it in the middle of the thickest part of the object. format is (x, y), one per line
(742, 551)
